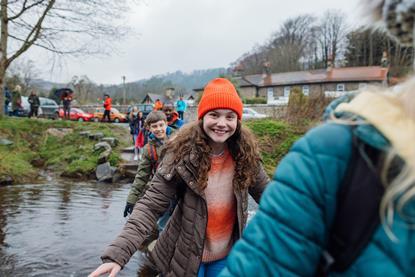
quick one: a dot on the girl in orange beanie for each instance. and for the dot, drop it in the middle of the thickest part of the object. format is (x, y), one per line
(209, 169)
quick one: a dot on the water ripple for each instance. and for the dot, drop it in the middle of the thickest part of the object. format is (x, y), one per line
(59, 228)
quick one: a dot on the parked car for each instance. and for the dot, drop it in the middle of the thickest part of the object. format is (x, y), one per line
(144, 108)
(24, 111)
(48, 108)
(249, 113)
(115, 115)
(77, 114)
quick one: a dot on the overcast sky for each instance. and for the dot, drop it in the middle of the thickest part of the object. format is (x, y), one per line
(187, 35)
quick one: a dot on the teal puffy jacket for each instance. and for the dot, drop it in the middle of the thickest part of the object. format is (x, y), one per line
(290, 229)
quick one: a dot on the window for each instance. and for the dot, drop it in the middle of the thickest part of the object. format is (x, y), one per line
(306, 90)
(340, 87)
(287, 90)
(270, 93)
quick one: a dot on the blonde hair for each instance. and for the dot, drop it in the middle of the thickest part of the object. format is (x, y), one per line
(399, 186)
(401, 189)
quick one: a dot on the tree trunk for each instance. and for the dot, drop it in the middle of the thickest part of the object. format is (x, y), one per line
(370, 49)
(3, 51)
(2, 103)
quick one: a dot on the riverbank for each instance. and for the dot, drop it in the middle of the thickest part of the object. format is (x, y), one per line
(59, 146)
(275, 138)
(28, 146)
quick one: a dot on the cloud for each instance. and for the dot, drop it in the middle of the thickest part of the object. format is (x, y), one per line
(190, 34)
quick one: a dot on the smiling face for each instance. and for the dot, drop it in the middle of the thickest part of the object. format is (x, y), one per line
(158, 129)
(168, 110)
(219, 125)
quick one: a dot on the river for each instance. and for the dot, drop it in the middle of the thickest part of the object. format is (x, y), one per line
(60, 228)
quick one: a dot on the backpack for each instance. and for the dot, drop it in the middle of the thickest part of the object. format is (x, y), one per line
(357, 215)
(152, 153)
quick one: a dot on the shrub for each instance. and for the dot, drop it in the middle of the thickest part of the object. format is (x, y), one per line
(275, 138)
(305, 108)
(256, 100)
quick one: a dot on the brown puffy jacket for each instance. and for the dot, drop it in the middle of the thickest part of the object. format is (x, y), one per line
(179, 248)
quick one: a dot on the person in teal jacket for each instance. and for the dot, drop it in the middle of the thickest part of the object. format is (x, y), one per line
(181, 107)
(290, 230)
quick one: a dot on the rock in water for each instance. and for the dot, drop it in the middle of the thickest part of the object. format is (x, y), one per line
(104, 172)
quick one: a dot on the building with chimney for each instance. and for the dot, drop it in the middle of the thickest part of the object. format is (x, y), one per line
(276, 87)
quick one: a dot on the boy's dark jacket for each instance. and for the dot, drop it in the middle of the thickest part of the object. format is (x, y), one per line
(145, 170)
(179, 248)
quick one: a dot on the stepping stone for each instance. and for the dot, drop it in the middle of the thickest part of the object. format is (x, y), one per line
(112, 141)
(85, 133)
(6, 142)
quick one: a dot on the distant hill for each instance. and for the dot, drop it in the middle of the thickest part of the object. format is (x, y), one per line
(183, 83)
(46, 85)
(195, 79)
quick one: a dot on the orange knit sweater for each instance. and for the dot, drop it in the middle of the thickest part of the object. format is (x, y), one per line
(221, 208)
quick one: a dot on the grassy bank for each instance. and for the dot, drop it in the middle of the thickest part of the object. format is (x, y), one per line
(33, 147)
(275, 139)
(73, 154)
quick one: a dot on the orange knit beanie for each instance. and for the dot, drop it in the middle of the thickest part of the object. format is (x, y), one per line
(220, 93)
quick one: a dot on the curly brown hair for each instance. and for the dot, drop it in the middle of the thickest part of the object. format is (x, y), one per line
(242, 145)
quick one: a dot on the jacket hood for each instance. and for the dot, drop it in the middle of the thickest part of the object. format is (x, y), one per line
(173, 117)
(388, 123)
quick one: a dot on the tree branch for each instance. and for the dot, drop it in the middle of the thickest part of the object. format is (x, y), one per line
(35, 32)
(24, 9)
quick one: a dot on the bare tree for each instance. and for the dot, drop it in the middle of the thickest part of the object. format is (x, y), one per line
(252, 61)
(289, 44)
(84, 88)
(26, 71)
(331, 35)
(74, 27)
(285, 50)
(366, 47)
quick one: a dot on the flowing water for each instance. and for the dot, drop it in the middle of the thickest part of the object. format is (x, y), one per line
(60, 228)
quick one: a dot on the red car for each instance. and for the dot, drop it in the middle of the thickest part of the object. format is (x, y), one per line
(77, 114)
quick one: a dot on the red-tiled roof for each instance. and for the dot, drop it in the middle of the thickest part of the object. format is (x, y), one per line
(344, 74)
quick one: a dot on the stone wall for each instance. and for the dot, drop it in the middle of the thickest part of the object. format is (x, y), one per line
(274, 111)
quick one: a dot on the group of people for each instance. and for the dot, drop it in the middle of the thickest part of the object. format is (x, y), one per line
(180, 108)
(198, 189)
(15, 98)
(340, 203)
(140, 128)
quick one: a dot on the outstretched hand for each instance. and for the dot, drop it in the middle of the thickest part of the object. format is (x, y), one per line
(111, 268)
(128, 209)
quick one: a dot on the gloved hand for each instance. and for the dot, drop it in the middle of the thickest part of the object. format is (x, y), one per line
(128, 209)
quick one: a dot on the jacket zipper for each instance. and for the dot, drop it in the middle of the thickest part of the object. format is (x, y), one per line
(237, 215)
(204, 237)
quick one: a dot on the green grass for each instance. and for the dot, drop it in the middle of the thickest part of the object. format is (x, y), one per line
(74, 154)
(70, 154)
(275, 139)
